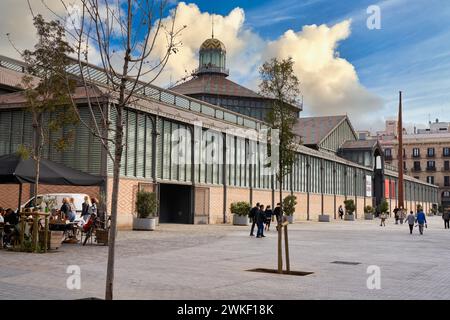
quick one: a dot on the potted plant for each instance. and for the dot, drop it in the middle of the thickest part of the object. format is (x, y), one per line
(368, 212)
(349, 210)
(240, 211)
(289, 204)
(146, 207)
(383, 207)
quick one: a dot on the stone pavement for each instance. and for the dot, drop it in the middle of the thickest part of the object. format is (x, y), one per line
(210, 262)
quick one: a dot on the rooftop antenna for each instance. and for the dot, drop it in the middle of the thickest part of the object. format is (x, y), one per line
(212, 26)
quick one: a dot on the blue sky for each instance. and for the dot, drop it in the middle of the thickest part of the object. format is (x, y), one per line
(411, 51)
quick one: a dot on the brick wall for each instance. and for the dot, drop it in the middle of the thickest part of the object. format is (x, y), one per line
(315, 206)
(9, 195)
(126, 202)
(328, 205)
(360, 207)
(263, 197)
(235, 194)
(301, 207)
(216, 205)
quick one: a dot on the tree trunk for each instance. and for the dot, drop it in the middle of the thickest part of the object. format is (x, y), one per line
(114, 203)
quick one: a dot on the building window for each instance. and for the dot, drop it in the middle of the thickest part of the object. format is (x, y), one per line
(404, 166)
(416, 152)
(430, 179)
(447, 181)
(430, 152)
(417, 165)
(388, 153)
(446, 152)
(446, 165)
(431, 165)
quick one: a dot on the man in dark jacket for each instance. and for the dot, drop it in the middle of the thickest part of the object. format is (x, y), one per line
(260, 218)
(446, 218)
(252, 216)
(277, 213)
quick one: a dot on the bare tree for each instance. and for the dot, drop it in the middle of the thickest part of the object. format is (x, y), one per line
(125, 35)
(48, 90)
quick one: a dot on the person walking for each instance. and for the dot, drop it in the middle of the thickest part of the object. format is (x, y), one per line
(396, 216)
(252, 216)
(402, 214)
(341, 212)
(421, 220)
(268, 213)
(260, 218)
(278, 214)
(383, 219)
(446, 218)
(411, 219)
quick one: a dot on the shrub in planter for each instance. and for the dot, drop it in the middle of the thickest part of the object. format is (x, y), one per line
(289, 204)
(240, 211)
(383, 207)
(349, 209)
(368, 212)
(146, 208)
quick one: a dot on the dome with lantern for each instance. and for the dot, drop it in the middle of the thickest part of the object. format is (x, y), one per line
(212, 57)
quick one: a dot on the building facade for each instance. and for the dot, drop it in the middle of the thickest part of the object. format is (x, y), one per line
(202, 155)
(426, 156)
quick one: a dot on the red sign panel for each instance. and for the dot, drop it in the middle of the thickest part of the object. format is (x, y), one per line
(386, 188)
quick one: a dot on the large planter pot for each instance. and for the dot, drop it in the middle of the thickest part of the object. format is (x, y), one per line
(147, 224)
(368, 216)
(349, 217)
(324, 218)
(240, 220)
(290, 219)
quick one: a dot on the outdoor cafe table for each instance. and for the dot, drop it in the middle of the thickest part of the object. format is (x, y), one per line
(36, 217)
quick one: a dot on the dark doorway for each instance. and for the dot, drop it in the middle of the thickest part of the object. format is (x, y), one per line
(175, 204)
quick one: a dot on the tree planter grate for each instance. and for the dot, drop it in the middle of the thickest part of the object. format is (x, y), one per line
(347, 262)
(275, 271)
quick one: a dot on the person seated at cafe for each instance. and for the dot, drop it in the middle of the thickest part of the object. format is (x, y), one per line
(73, 210)
(11, 231)
(65, 209)
(2, 213)
(11, 217)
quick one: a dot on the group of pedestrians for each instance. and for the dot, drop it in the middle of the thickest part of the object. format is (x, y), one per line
(413, 220)
(261, 218)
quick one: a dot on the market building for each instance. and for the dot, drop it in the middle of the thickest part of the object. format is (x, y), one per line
(197, 152)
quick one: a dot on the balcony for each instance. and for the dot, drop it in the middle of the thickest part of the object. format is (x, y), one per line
(431, 169)
(429, 155)
(416, 156)
(445, 155)
(388, 158)
(445, 169)
(416, 169)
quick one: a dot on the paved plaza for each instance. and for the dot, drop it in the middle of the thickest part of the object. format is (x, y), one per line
(210, 262)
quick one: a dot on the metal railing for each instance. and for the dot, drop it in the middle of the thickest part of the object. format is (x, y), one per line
(98, 76)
